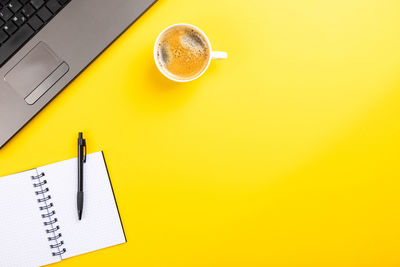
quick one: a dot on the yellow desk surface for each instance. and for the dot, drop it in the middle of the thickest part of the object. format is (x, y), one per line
(286, 154)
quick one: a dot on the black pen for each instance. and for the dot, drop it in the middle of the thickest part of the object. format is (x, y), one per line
(81, 160)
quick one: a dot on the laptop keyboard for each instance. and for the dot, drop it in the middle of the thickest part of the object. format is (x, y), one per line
(20, 20)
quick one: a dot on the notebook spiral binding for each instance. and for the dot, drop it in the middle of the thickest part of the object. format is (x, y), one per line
(50, 221)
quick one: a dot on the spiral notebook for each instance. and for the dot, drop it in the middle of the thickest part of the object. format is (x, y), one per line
(39, 223)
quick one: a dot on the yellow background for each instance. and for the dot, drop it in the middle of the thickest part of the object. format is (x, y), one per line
(286, 154)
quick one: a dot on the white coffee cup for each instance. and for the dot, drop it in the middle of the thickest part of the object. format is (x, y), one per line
(213, 54)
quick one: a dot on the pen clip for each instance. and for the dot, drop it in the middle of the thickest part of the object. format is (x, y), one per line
(84, 146)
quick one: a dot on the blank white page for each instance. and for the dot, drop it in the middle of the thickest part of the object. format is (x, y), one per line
(100, 226)
(23, 240)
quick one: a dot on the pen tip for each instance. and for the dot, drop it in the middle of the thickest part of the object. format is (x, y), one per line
(80, 215)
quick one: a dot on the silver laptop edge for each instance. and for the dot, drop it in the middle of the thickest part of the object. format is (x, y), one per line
(68, 44)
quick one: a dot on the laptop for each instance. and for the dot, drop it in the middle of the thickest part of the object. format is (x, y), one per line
(45, 44)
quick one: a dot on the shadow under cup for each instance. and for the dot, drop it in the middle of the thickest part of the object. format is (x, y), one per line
(182, 52)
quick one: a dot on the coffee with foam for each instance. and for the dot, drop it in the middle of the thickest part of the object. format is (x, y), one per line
(183, 52)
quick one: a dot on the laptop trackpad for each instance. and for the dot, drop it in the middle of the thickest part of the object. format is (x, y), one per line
(36, 73)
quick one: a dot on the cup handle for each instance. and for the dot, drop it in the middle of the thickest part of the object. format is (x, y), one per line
(219, 55)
